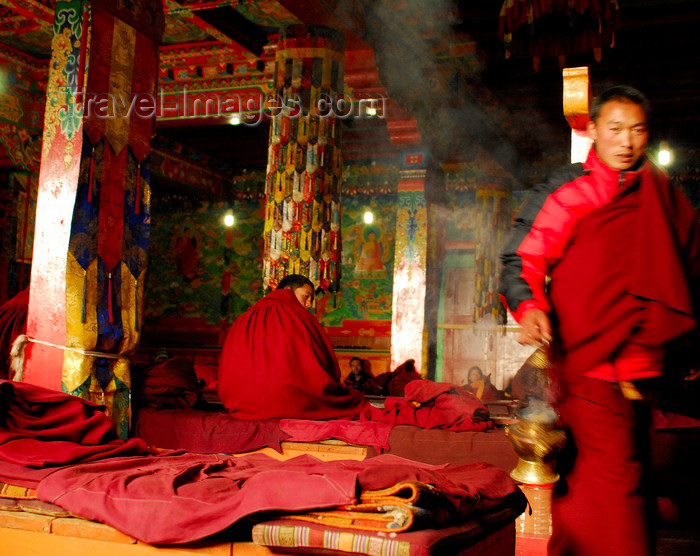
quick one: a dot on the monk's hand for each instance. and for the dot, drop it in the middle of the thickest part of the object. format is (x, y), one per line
(535, 329)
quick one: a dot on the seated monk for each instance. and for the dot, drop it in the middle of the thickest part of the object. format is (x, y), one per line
(278, 362)
(13, 323)
(481, 386)
(357, 377)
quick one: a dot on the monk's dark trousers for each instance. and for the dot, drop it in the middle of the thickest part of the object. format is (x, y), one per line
(601, 504)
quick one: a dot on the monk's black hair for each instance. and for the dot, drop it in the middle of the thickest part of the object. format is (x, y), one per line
(621, 93)
(294, 281)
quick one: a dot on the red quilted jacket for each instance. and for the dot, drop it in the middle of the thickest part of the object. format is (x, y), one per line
(622, 251)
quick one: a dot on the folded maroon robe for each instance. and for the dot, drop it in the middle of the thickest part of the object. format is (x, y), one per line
(277, 362)
(433, 405)
(178, 498)
(42, 428)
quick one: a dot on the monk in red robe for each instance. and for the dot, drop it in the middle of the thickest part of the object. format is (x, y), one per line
(13, 322)
(278, 362)
(604, 263)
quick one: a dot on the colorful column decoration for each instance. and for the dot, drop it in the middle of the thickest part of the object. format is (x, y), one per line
(410, 267)
(302, 188)
(491, 229)
(110, 68)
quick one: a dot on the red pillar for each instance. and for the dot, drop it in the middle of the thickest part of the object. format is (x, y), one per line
(410, 264)
(92, 187)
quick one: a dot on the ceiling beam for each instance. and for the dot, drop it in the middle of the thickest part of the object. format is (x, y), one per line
(232, 24)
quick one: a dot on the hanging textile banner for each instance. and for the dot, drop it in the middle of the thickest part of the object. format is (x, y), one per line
(302, 188)
(110, 230)
(558, 29)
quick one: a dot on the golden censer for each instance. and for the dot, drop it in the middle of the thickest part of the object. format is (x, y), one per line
(536, 438)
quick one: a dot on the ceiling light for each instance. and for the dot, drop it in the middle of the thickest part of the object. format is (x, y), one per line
(665, 154)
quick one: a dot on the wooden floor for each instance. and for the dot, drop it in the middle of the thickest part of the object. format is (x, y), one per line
(28, 534)
(23, 533)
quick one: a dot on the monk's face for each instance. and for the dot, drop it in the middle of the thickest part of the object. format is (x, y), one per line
(475, 375)
(356, 366)
(305, 295)
(620, 134)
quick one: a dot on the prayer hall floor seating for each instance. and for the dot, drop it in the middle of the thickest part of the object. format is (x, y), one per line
(29, 534)
(26, 533)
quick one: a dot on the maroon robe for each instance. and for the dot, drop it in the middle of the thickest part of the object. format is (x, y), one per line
(45, 428)
(13, 322)
(629, 278)
(176, 498)
(278, 362)
(655, 231)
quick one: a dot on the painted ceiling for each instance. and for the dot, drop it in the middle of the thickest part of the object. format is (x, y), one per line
(442, 64)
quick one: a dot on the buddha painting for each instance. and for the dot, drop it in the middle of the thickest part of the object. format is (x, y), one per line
(370, 252)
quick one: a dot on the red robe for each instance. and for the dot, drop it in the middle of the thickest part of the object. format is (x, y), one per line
(13, 322)
(278, 362)
(653, 233)
(44, 428)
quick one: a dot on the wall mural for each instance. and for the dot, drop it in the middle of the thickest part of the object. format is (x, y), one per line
(461, 216)
(367, 262)
(190, 255)
(192, 263)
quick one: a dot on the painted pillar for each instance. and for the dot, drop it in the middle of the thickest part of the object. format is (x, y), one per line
(92, 231)
(302, 188)
(491, 229)
(410, 264)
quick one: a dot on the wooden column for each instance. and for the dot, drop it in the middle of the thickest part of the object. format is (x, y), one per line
(410, 264)
(58, 180)
(91, 239)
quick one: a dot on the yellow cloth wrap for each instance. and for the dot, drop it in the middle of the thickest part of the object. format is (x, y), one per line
(280, 187)
(326, 72)
(81, 288)
(317, 216)
(132, 309)
(106, 397)
(303, 130)
(269, 221)
(120, 415)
